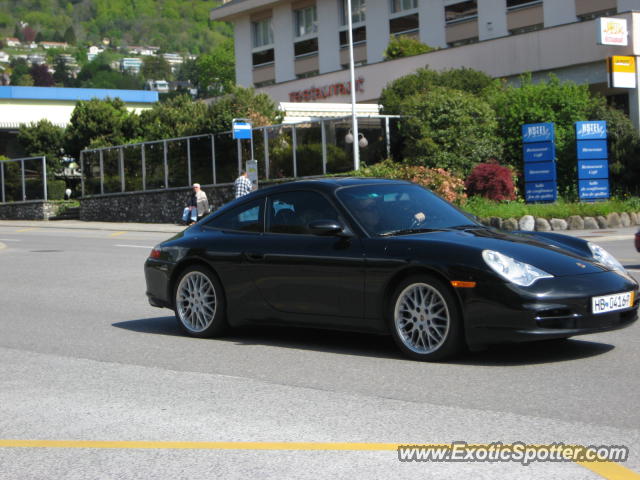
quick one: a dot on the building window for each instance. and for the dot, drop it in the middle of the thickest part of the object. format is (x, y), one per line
(461, 11)
(398, 6)
(306, 21)
(406, 24)
(263, 57)
(305, 47)
(515, 4)
(358, 10)
(359, 36)
(262, 33)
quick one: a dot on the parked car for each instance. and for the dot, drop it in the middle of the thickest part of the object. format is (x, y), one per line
(388, 257)
(637, 240)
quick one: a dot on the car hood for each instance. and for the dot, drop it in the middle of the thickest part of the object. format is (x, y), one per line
(559, 255)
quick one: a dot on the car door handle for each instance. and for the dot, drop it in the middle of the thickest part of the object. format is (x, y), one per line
(254, 256)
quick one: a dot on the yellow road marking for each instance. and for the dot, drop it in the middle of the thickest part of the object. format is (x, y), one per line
(25, 229)
(606, 469)
(2, 245)
(610, 470)
(116, 234)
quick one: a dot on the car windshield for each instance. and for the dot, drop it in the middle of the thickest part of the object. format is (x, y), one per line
(398, 209)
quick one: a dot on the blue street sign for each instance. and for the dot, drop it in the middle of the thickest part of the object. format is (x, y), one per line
(541, 191)
(537, 132)
(539, 152)
(589, 169)
(592, 149)
(593, 189)
(539, 171)
(594, 130)
(242, 131)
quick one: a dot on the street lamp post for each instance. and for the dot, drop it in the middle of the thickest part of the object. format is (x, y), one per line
(354, 118)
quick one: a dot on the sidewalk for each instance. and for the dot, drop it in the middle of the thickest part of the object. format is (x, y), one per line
(624, 233)
(80, 225)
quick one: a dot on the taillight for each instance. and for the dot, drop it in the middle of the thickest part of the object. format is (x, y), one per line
(155, 253)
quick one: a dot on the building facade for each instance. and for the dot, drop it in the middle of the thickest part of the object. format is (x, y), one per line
(298, 50)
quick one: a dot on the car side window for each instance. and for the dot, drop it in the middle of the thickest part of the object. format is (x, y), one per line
(292, 212)
(246, 218)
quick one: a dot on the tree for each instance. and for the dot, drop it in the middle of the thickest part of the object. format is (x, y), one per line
(241, 103)
(42, 139)
(215, 73)
(562, 103)
(70, 36)
(464, 79)
(99, 123)
(155, 68)
(61, 74)
(177, 117)
(450, 129)
(404, 46)
(41, 76)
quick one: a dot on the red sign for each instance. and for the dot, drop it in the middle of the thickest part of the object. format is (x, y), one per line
(316, 93)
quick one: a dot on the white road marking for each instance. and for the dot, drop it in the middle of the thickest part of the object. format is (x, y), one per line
(10, 240)
(134, 246)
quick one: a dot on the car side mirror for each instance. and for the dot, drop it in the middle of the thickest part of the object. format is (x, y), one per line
(327, 228)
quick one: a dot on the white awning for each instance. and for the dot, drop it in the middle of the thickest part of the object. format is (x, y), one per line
(300, 112)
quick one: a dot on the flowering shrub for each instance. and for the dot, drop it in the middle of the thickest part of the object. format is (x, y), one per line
(491, 181)
(442, 182)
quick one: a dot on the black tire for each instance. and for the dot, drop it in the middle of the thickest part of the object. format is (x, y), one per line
(429, 329)
(199, 303)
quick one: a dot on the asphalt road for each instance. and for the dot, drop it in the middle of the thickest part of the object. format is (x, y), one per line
(85, 358)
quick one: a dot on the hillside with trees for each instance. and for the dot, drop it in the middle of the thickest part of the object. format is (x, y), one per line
(173, 25)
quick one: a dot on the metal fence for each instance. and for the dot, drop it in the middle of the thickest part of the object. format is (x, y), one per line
(284, 151)
(23, 179)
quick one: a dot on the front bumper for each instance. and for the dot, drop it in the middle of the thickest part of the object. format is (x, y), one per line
(551, 308)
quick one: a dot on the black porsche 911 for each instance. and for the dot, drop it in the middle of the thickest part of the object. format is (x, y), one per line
(388, 257)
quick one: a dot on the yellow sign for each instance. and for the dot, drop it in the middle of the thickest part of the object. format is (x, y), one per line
(622, 71)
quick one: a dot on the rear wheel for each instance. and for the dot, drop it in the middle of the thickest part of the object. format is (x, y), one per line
(425, 320)
(199, 303)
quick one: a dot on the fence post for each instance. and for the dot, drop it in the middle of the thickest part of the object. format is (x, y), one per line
(82, 174)
(323, 134)
(166, 165)
(213, 158)
(2, 179)
(121, 162)
(387, 136)
(189, 160)
(44, 177)
(266, 152)
(101, 172)
(294, 148)
(24, 187)
(144, 168)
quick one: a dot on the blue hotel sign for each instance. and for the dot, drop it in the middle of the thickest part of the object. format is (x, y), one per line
(538, 132)
(596, 130)
(589, 169)
(592, 149)
(540, 192)
(540, 171)
(593, 163)
(593, 189)
(539, 152)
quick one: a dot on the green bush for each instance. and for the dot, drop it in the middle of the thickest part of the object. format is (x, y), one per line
(404, 46)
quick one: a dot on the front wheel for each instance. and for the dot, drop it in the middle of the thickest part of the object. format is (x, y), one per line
(199, 303)
(425, 321)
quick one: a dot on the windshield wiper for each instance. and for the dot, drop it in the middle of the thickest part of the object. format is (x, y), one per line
(408, 231)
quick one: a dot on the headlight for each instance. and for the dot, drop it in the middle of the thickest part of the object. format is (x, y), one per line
(604, 257)
(512, 270)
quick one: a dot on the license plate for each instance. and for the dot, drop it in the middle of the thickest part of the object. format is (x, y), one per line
(610, 303)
